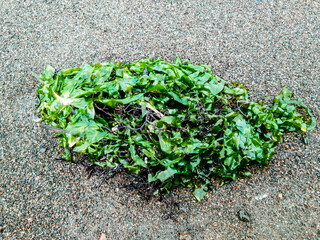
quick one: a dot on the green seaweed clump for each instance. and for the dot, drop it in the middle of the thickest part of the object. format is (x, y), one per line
(171, 124)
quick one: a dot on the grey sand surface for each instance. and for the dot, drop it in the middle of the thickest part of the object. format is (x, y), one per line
(263, 44)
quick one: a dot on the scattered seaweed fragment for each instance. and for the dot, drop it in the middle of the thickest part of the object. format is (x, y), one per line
(167, 124)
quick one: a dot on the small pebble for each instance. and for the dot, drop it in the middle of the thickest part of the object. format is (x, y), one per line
(103, 236)
(244, 216)
(42, 150)
(262, 196)
(185, 236)
(280, 196)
